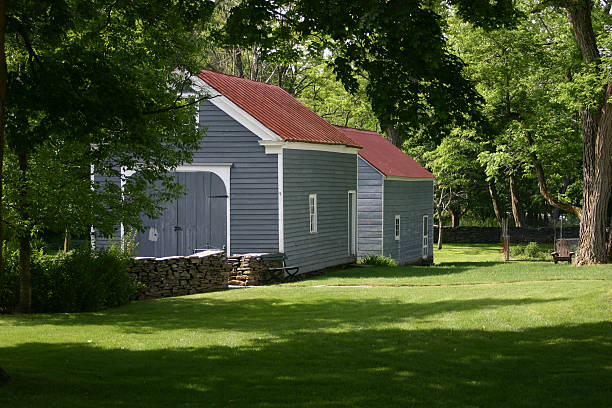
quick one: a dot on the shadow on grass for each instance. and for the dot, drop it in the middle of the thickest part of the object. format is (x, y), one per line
(275, 316)
(403, 272)
(566, 366)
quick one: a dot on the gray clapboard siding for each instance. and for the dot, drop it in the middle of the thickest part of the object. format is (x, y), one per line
(410, 200)
(369, 210)
(330, 176)
(253, 180)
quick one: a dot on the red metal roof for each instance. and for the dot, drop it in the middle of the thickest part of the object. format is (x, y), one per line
(384, 156)
(277, 110)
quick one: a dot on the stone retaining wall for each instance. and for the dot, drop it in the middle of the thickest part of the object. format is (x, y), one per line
(176, 276)
(250, 269)
(492, 235)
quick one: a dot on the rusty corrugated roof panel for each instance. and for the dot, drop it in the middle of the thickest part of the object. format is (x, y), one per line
(384, 156)
(277, 110)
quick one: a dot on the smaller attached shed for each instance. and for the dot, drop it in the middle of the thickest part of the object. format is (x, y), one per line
(394, 201)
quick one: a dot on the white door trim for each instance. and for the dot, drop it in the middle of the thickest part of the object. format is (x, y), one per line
(352, 210)
(223, 170)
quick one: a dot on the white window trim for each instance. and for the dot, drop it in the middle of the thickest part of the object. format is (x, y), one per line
(425, 236)
(312, 198)
(397, 227)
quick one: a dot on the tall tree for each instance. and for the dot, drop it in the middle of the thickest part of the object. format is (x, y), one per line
(596, 127)
(414, 83)
(459, 176)
(96, 83)
(3, 76)
(521, 73)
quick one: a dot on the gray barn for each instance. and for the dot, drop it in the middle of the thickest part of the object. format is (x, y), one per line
(394, 201)
(270, 175)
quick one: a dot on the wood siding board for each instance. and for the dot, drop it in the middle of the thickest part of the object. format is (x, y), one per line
(254, 182)
(330, 176)
(410, 200)
(369, 210)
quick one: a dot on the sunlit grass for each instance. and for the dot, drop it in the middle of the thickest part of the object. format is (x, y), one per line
(462, 264)
(470, 331)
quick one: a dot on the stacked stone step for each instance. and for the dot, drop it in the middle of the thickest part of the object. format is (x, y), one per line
(176, 276)
(250, 270)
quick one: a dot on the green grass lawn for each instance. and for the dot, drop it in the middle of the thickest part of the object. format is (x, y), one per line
(471, 331)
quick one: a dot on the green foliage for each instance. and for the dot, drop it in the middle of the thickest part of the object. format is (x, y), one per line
(328, 98)
(81, 280)
(517, 250)
(96, 85)
(532, 250)
(377, 260)
(414, 82)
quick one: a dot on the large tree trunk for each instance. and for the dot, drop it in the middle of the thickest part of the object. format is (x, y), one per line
(67, 240)
(239, 66)
(610, 240)
(4, 377)
(25, 284)
(3, 79)
(394, 136)
(596, 193)
(493, 195)
(455, 217)
(555, 211)
(439, 231)
(596, 127)
(516, 205)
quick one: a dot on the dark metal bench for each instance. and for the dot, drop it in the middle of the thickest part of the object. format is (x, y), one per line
(290, 271)
(563, 251)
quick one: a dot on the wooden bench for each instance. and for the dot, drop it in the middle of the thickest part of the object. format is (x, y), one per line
(290, 271)
(563, 251)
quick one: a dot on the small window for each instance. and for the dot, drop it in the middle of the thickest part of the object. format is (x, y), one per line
(312, 204)
(397, 227)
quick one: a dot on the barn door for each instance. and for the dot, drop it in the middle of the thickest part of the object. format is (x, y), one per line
(193, 222)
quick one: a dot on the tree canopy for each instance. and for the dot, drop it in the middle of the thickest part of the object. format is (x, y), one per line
(413, 81)
(96, 84)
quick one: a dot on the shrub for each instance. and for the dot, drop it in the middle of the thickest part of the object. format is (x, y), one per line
(517, 250)
(376, 260)
(533, 250)
(81, 280)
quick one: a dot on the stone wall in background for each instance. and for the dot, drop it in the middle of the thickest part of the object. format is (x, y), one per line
(181, 275)
(492, 235)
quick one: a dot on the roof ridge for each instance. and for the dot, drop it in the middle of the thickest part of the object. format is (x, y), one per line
(277, 109)
(358, 129)
(243, 79)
